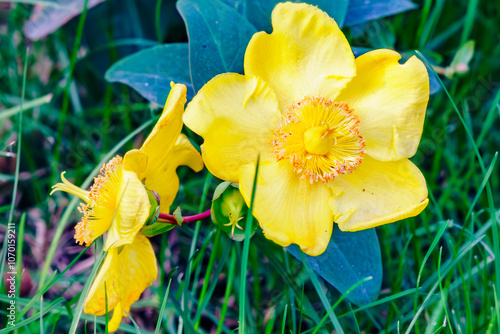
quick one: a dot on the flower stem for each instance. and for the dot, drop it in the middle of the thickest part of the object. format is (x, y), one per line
(170, 219)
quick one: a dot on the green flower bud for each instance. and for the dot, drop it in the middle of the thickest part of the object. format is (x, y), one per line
(151, 227)
(229, 211)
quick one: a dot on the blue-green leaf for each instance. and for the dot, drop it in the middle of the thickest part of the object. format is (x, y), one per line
(218, 37)
(361, 11)
(349, 258)
(150, 71)
(259, 12)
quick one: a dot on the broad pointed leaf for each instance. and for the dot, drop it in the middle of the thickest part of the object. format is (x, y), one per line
(349, 258)
(218, 37)
(259, 12)
(150, 71)
(361, 11)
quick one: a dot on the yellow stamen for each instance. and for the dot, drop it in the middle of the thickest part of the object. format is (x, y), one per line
(320, 138)
(98, 213)
(233, 222)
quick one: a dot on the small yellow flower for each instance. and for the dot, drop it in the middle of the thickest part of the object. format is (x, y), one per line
(118, 204)
(334, 133)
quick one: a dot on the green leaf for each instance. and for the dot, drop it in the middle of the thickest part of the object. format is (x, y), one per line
(259, 12)
(178, 216)
(218, 37)
(150, 71)
(361, 11)
(349, 258)
(157, 228)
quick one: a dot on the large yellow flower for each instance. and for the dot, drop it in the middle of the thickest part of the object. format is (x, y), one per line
(118, 203)
(334, 133)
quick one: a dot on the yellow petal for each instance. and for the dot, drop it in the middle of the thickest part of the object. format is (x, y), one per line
(163, 136)
(132, 210)
(136, 161)
(390, 100)
(306, 55)
(378, 193)
(236, 116)
(166, 182)
(289, 209)
(184, 154)
(116, 319)
(70, 188)
(127, 273)
(158, 146)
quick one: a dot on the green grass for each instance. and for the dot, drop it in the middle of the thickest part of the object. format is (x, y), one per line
(441, 269)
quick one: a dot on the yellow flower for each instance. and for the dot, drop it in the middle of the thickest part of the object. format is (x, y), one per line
(118, 204)
(118, 201)
(334, 133)
(126, 272)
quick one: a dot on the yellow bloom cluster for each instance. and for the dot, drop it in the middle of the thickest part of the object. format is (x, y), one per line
(118, 205)
(334, 133)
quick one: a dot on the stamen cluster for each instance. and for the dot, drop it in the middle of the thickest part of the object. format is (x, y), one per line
(320, 138)
(100, 198)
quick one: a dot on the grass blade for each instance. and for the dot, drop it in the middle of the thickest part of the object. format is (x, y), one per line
(461, 254)
(162, 309)
(34, 317)
(69, 81)
(227, 293)
(18, 165)
(244, 256)
(137, 329)
(496, 237)
(187, 279)
(26, 106)
(427, 255)
(283, 324)
(79, 307)
(344, 295)
(321, 294)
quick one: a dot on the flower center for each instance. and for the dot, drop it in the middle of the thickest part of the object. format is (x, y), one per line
(99, 211)
(320, 138)
(317, 140)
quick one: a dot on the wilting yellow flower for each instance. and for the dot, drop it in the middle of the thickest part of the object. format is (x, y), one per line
(334, 133)
(118, 203)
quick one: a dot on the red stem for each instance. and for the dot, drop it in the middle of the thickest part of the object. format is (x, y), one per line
(171, 219)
